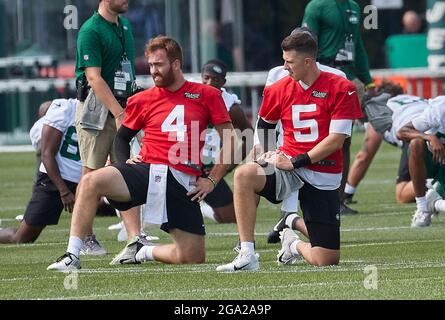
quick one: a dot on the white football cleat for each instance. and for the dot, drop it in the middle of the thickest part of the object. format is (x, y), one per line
(122, 235)
(116, 226)
(65, 263)
(244, 261)
(421, 219)
(431, 197)
(285, 255)
(150, 238)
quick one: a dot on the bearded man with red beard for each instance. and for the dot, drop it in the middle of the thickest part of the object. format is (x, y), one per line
(166, 176)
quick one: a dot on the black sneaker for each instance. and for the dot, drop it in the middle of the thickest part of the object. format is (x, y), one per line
(274, 234)
(344, 209)
(348, 199)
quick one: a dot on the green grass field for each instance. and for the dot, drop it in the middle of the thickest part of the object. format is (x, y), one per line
(377, 244)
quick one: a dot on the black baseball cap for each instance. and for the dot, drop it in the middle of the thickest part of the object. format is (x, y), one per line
(215, 67)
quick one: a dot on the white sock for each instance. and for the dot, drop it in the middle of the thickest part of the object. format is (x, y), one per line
(207, 211)
(290, 220)
(422, 204)
(74, 245)
(350, 189)
(248, 247)
(293, 247)
(440, 205)
(145, 254)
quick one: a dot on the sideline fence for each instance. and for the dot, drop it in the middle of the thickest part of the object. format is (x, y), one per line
(20, 98)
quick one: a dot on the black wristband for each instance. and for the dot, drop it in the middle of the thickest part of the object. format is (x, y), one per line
(301, 160)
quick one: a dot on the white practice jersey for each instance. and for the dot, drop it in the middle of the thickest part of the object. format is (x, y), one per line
(36, 133)
(432, 120)
(212, 143)
(61, 116)
(405, 108)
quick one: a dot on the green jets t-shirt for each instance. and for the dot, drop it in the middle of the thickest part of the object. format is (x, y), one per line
(331, 21)
(100, 44)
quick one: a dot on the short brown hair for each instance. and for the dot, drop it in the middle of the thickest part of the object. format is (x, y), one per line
(387, 86)
(302, 42)
(173, 49)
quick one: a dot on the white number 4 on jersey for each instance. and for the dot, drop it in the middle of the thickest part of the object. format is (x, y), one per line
(175, 123)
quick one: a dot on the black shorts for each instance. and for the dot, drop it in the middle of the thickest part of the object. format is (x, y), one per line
(45, 206)
(324, 235)
(403, 174)
(182, 213)
(321, 212)
(269, 190)
(221, 196)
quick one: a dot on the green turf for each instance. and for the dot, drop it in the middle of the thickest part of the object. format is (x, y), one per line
(409, 263)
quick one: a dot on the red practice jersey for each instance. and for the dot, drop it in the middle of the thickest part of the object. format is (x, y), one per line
(306, 114)
(174, 122)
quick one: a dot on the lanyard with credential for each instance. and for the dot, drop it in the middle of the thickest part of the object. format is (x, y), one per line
(346, 23)
(346, 54)
(121, 35)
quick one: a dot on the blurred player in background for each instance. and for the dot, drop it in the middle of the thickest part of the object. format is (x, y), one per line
(54, 136)
(426, 136)
(218, 205)
(338, 27)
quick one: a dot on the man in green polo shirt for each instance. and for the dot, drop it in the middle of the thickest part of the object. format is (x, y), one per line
(337, 24)
(104, 62)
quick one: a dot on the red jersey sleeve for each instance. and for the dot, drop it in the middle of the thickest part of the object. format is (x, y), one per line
(134, 114)
(217, 108)
(270, 107)
(346, 105)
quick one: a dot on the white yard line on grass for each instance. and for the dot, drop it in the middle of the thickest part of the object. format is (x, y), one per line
(16, 149)
(248, 288)
(6, 209)
(225, 234)
(211, 268)
(234, 234)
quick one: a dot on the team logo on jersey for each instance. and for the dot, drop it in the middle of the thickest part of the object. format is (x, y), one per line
(189, 95)
(318, 94)
(158, 179)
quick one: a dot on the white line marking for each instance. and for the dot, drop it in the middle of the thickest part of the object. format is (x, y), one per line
(248, 288)
(298, 268)
(16, 149)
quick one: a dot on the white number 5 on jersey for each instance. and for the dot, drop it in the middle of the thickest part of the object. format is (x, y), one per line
(304, 124)
(175, 123)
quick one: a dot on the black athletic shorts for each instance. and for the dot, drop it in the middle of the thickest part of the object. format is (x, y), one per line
(182, 213)
(269, 190)
(324, 235)
(221, 196)
(321, 212)
(45, 206)
(403, 174)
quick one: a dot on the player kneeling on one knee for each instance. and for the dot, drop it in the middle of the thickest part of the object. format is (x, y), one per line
(316, 110)
(167, 178)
